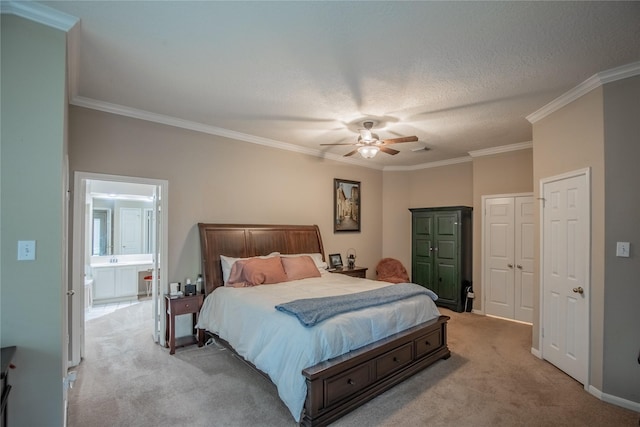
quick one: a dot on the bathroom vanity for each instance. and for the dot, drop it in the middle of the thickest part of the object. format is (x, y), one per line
(116, 278)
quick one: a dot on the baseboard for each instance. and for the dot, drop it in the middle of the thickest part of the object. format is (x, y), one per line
(536, 353)
(614, 400)
(509, 320)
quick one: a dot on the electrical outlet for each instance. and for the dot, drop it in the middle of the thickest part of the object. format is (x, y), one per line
(26, 250)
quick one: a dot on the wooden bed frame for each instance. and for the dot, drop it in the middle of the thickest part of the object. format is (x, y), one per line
(339, 385)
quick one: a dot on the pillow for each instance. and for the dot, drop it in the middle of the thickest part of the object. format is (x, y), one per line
(227, 262)
(257, 271)
(300, 267)
(316, 257)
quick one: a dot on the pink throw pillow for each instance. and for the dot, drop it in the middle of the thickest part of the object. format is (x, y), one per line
(300, 267)
(257, 271)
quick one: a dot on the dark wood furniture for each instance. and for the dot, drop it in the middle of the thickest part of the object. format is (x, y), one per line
(176, 306)
(7, 356)
(339, 385)
(353, 272)
(441, 256)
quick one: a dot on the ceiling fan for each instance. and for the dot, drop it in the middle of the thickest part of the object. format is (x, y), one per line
(369, 143)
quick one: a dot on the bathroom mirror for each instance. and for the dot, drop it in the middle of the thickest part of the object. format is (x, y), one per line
(121, 226)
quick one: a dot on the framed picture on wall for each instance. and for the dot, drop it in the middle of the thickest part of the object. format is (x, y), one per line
(346, 205)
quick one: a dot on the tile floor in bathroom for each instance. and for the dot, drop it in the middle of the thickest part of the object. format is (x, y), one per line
(99, 310)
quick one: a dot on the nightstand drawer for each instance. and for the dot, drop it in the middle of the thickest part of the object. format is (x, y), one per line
(184, 306)
(356, 271)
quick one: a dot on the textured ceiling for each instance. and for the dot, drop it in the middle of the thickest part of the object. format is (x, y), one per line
(462, 76)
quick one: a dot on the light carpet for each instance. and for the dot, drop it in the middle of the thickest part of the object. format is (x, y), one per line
(491, 379)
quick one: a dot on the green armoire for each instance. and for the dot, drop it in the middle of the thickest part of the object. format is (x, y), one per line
(441, 253)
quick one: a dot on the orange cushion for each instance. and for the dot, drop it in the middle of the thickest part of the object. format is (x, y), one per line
(257, 271)
(300, 267)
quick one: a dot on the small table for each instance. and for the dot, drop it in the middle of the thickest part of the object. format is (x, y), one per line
(353, 272)
(182, 305)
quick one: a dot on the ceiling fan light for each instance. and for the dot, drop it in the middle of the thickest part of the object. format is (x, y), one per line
(368, 151)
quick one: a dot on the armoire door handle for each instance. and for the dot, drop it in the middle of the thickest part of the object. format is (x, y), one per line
(519, 266)
(510, 265)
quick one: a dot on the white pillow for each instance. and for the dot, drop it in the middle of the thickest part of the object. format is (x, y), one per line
(227, 262)
(317, 259)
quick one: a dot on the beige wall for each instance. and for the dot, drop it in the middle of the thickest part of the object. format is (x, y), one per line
(396, 218)
(621, 372)
(504, 173)
(32, 198)
(569, 139)
(441, 186)
(432, 187)
(213, 179)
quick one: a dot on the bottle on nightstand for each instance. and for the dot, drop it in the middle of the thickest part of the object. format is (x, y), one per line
(199, 283)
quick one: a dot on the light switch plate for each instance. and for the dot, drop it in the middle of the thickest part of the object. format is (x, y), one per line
(622, 249)
(26, 250)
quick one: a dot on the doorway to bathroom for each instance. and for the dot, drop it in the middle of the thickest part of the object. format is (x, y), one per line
(119, 249)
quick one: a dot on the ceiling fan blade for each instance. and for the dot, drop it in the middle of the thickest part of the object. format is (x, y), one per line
(341, 143)
(388, 150)
(351, 153)
(399, 140)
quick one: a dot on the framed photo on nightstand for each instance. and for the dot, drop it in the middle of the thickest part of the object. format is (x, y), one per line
(335, 261)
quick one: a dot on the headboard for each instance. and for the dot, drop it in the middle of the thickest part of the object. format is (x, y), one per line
(242, 241)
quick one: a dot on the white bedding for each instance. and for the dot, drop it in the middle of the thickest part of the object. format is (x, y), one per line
(277, 344)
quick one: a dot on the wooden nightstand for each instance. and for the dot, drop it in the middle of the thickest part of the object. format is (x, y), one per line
(182, 305)
(353, 272)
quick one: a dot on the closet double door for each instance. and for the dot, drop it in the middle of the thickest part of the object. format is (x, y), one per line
(508, 257)
(441, 252)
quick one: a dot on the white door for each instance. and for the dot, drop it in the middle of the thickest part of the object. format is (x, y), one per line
(565, 222)
(130, 231)
(524, 244)
(158, 244)
(499, 257)
(508, 257)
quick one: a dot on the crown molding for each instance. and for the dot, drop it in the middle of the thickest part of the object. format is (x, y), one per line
(428, 165)
(501, 149)
(593, 82)
(120, 110)
(39, 13)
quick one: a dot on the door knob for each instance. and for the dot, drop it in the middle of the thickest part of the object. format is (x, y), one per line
(519, 266)
(510, 265)
(578, 290)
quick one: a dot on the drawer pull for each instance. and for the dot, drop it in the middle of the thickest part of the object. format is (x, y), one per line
(395, 359)
(351, 382)
(186, 306)
(427, 343)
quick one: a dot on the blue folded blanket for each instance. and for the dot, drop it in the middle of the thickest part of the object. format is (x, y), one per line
(310, 311)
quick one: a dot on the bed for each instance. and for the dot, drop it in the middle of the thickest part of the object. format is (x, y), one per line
(324, 376)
